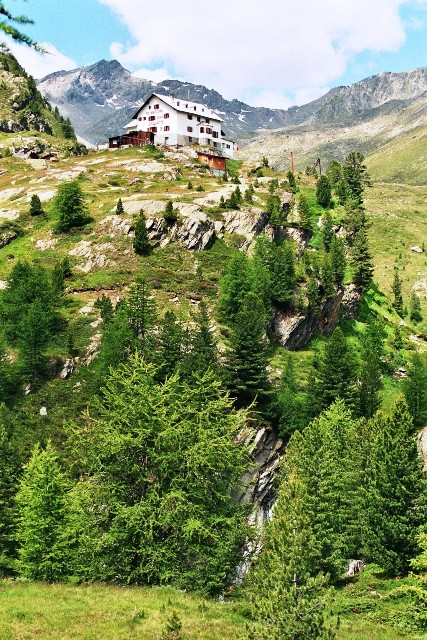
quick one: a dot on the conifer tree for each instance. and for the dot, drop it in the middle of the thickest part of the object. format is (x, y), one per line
(328, 458)
(282, 273)
(361, 259)
(202, 353)
(288, 599)
(336, 376)
(141, 310)
(36, 208)
(170, 214)
(304, 213)
(170, 352)
(292, 182)
(356, 175)
(9, 475)
(247, 357)
(328, 276)
(415, 390)
(34, 336)
(338, 261)
(236, 282)
(397, 291)
(141, 242)
(327, 230)
(323, 192)
(395, 503)
(69, 206)
(119, 208)
(415, 312)
(118, 341)
(334, 173)
(41, 502)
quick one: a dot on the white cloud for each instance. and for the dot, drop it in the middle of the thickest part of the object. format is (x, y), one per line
(40, 64)
(278, 49)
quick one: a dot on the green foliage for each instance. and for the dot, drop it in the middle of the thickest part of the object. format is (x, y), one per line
(160, 464)
(170, 214)
(304, 213)
(327, 230)
(338, 261)
(69, 206)
(173, 628)
(104, 304)
(356, 175)
(415, 390)
(247, 356)
(323, 192)
(334, 173)
(119, 207)
(236, 283)
(275, 211)
(141, 242)
(36, 208)
(395, 505)
(361, 260)
(397, 291)
(41, 504)
(336, 375)
(286, 595)
(7, 27)
(282, 273)
(292, 182)
(415, 313)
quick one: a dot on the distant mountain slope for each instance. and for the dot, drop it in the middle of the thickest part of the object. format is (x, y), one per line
(101, 98)
(401, 131)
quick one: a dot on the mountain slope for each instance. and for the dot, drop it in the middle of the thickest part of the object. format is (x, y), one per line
(101, 98)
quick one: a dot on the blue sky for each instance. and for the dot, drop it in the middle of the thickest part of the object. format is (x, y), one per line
(272, 53)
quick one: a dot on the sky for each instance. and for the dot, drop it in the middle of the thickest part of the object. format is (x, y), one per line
(272, 53)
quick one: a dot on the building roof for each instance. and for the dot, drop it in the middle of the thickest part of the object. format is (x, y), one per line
(185, 106)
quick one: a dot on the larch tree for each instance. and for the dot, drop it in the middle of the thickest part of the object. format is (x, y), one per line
(42, 517)
(69, 206)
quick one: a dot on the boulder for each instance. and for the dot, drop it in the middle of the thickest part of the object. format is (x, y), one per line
(7, 237)
(248, 222)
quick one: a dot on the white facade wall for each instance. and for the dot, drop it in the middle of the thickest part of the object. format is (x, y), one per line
(174, 127)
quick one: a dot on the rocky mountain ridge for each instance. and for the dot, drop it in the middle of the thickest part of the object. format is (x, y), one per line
(100, 98)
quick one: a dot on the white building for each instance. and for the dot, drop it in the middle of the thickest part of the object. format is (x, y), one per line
(174, 121)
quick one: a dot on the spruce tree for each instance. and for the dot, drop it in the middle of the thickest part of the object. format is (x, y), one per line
(69, 206)
(119, 208)
(36, 208)
(361, 260)
(327, 230)
(247, 355)
(336, 376)
(304, 213)
(202, 352)
(323, 192)
(117, 342)
(328, 277)
(141, 242)
(288, 599)
(356, 175)
(334, 173)
(282, 273)
(292, 182)
(142, 311)
(397, 291)
(170, 214)
(34, 336)
(338, 261)
(41, 505)
(415, 312)
(170, 351)
(395, 501)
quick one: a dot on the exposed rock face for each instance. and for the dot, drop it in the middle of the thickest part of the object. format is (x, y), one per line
(260, 482)
(7, 237)
(197, 232)
(248, 222)
(294, 331)
(92, 256)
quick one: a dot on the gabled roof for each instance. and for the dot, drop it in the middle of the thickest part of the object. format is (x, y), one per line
(186, 106)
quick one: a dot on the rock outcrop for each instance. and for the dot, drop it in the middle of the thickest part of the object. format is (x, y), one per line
(294, 331)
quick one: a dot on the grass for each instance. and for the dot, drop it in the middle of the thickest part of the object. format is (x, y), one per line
(56, 612)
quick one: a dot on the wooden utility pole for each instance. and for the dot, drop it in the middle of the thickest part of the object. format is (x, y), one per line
(292, 161)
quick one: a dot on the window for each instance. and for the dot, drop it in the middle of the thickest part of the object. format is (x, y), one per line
(178, 103)
(189, 128)
(228, 146)
(152, 118)
(202, 129)
(166, 115)
(198, 118)
(208, 130)
(145, 118)
(215, 134)
(190, 139)
(156, 106)
(140, 118)
(195, 108)
(153, 129)
(189, 116)
(166, 128)
(207, 120)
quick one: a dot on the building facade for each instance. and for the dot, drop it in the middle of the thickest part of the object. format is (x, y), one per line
(175, 122)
